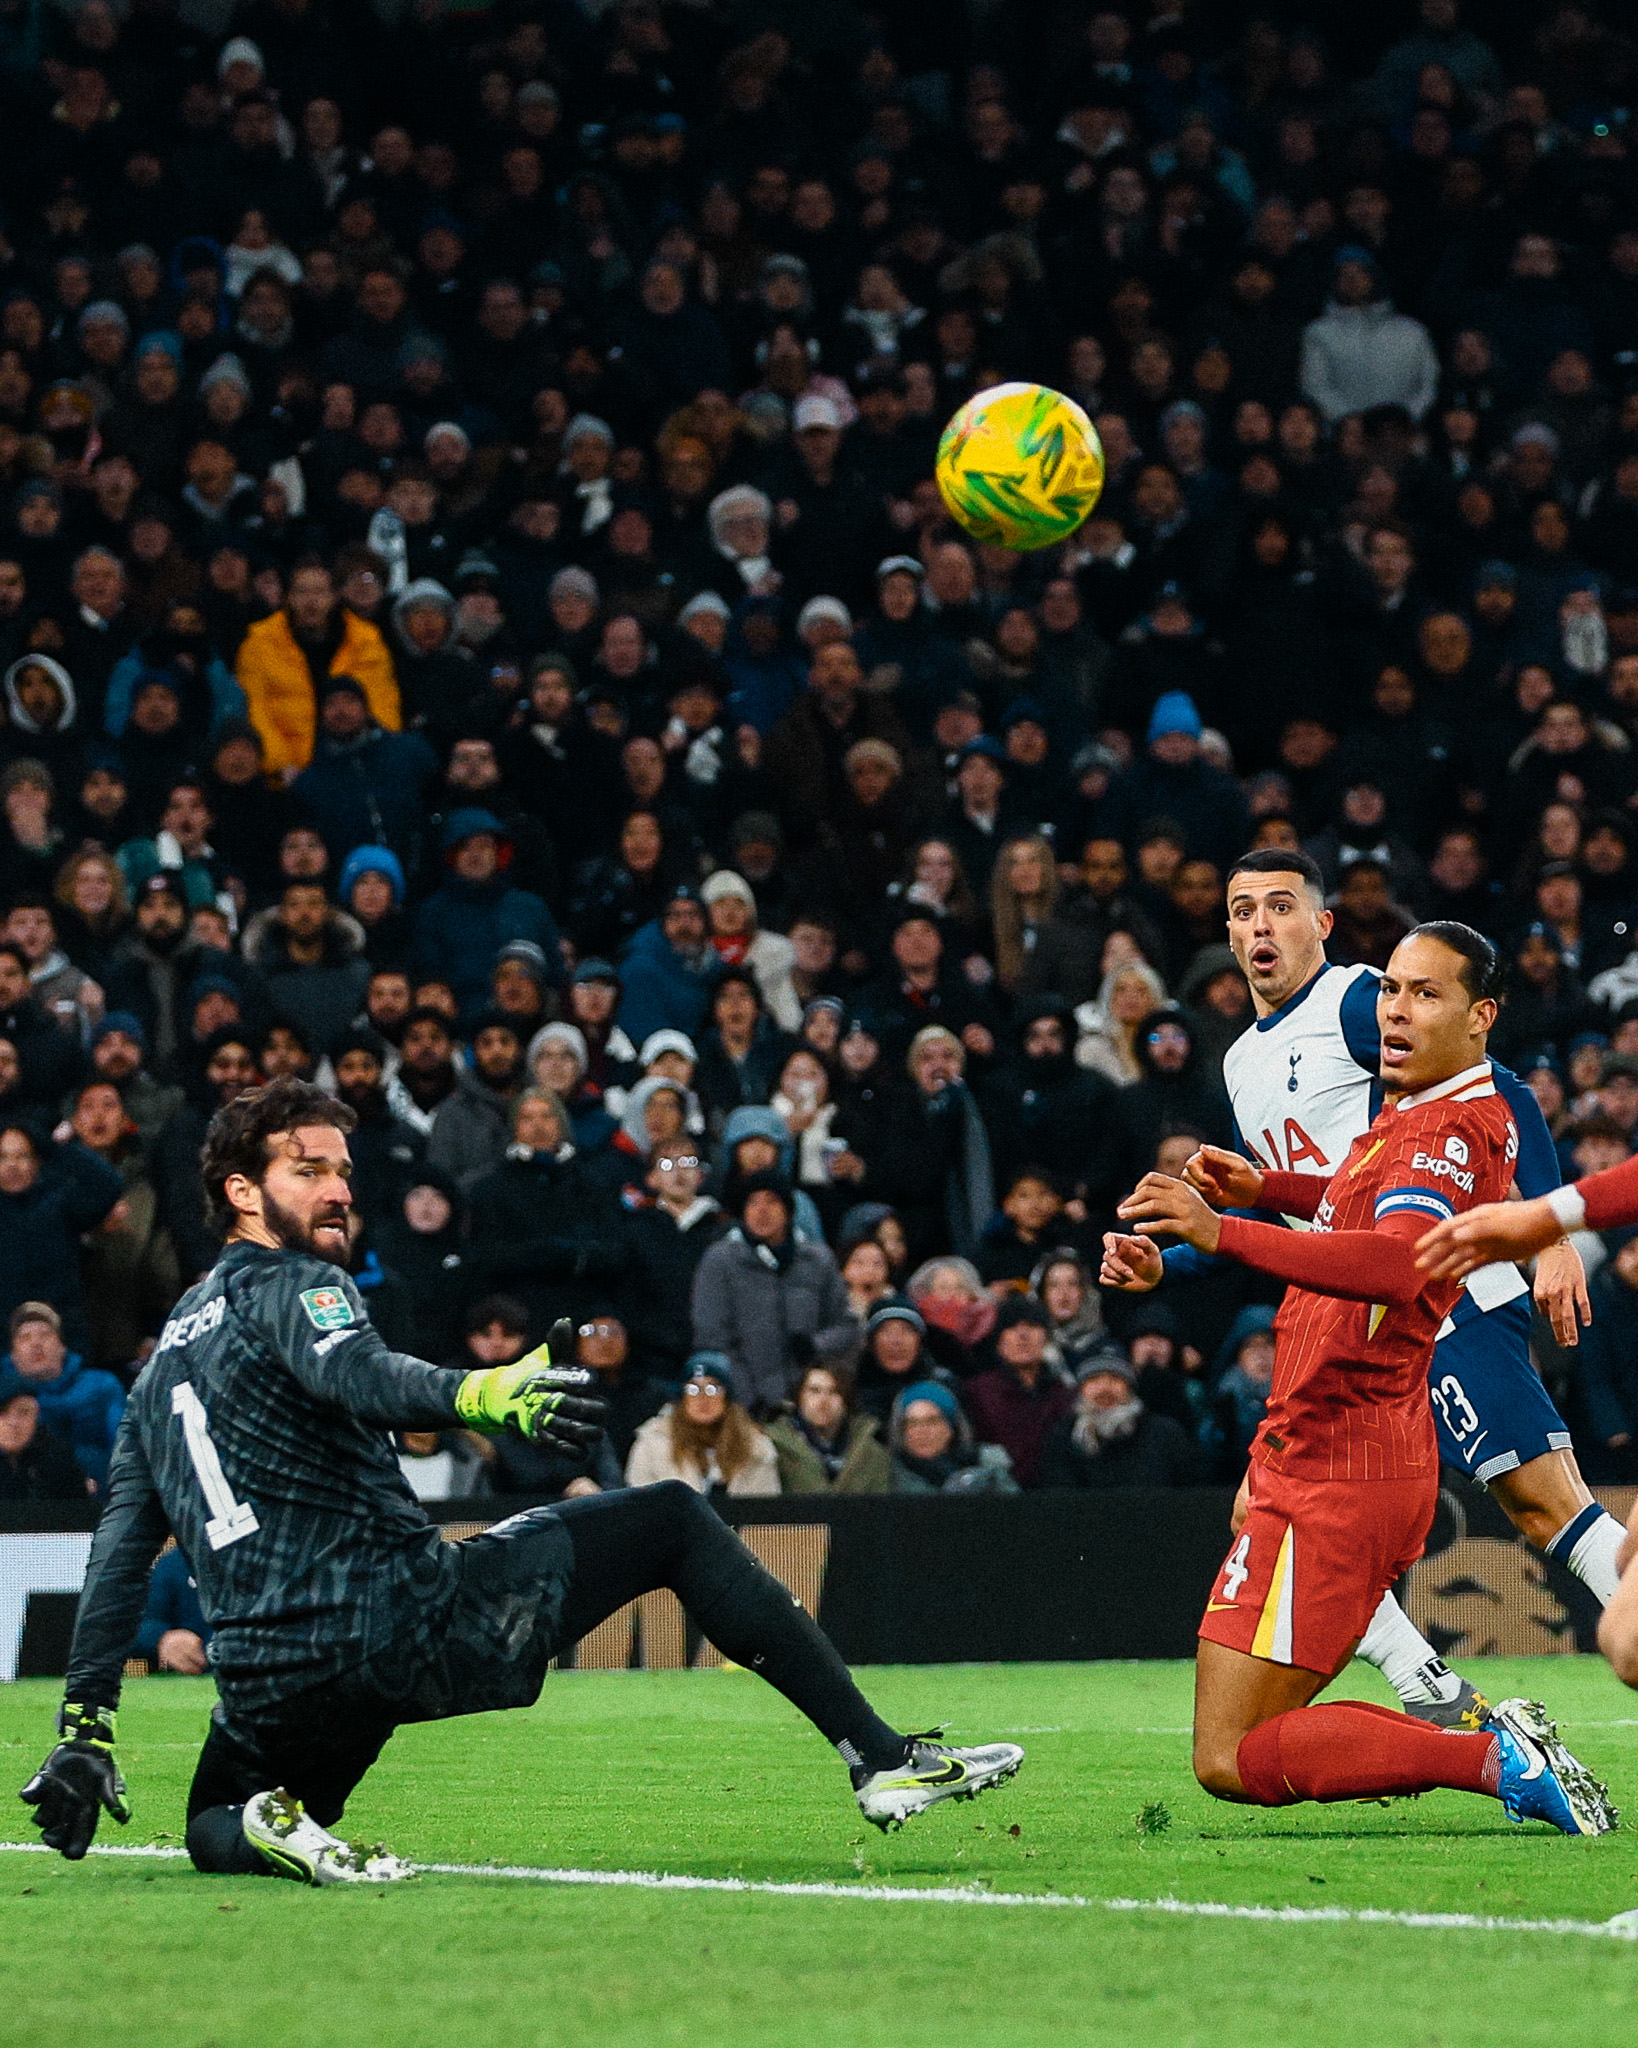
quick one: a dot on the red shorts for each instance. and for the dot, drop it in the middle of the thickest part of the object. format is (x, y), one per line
(1311, 1563)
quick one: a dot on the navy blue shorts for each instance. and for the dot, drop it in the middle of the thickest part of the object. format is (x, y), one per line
(1492, 1412)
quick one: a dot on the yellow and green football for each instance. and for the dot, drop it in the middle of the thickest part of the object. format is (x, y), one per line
(1020, 466)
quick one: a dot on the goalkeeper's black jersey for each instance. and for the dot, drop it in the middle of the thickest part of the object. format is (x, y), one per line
(259, 1434)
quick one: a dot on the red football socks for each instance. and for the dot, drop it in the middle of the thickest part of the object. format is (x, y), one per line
(1354, 1751)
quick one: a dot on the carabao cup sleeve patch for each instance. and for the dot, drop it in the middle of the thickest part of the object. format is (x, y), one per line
(327, 1308)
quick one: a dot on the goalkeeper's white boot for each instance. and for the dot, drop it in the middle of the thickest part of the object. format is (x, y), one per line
(295, 1846)
(932, 1771)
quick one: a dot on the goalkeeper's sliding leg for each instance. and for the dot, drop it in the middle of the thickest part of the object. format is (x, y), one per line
(268, 1790)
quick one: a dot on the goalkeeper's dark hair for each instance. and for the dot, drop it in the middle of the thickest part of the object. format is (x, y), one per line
(1481, 969)
(237, 1140)
(1280, 860)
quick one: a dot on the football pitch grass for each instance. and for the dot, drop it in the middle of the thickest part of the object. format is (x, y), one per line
(711, 1775)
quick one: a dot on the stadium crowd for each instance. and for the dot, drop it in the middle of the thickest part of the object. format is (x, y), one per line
(478, 626)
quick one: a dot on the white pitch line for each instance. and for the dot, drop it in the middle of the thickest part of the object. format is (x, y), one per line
(952, 1895)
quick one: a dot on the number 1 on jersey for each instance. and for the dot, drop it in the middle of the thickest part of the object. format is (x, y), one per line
(229, 1518)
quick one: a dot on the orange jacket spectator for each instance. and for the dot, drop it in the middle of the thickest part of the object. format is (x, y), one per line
(276, 669)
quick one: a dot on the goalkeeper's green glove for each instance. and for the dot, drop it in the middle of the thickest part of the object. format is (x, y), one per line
(544, 1402)
(79, 1777)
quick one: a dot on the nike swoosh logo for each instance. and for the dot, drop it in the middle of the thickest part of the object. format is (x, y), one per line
(1219, 1606)
(948, 1776)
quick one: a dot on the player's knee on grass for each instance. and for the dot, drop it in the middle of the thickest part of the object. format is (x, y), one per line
(1216, 1768)
(216, 1843)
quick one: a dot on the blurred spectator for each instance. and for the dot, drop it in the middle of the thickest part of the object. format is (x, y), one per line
(1245, 1374)
(537, 1229)
(50, 1195)
(1018, 1398)
(1110, 1439)
(632, 1394)
(825, 1445)
(730, 907)
(1176, 1089)
(668, 1237)
(35, 1463)
(1360, 353)
(1607, 1361)
(895, 1355)
(283, 657)
(668, 972)
(705, 1438)
(47, 1056)
(1130, 992)
(128, 1265)
(174, 1634)
(768, 1301)
(465, 922)
(933, 1449)
(441, 1464)
(77, 1403)
(470, 1127)
(1062, 1283)
(420, 1242)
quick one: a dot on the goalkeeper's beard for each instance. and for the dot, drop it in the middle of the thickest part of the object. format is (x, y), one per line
(296, 1236)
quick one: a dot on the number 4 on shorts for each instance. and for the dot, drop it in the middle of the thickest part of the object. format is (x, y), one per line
(1237, 1570)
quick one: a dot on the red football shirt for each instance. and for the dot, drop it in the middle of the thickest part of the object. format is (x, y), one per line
(1350, 1393)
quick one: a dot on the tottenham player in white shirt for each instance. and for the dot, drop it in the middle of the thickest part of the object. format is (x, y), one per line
(1303, 1082)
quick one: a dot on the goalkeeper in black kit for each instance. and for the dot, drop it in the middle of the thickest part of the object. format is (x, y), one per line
(259, 1434)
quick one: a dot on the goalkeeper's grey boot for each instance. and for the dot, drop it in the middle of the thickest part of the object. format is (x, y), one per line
(282, 1834)
(932, 1771)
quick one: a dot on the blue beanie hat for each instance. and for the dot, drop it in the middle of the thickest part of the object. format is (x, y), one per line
(1175, 712)
(373, 860)
(125, 1021)
(467, 823)
(941, 1397)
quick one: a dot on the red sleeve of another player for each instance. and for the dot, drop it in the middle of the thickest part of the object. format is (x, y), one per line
(1354, 1265)
(1294, 1194)
(1612, 1197)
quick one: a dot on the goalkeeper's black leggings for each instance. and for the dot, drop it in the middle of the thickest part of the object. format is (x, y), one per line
(531, 1586)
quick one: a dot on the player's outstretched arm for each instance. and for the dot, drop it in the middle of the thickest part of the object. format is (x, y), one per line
(317, 1325)
(1561, 1291)
(80, 1780)
(1561, 1281)
(1494, 1231)
(1353, 1265)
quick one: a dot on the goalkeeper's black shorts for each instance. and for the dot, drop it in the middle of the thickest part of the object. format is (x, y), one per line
(530, 1587)
(490, 1651)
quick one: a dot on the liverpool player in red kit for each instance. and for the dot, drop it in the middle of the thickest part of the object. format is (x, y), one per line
(1344, 1469)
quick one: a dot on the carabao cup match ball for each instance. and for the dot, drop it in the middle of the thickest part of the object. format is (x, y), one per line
(1020, 466)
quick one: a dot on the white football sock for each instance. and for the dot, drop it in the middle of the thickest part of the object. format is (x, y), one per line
(1588, 1545)
(1407, 1660)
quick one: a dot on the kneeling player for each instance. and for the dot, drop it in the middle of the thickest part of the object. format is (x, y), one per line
(258, 1433)
(1344, 1469)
